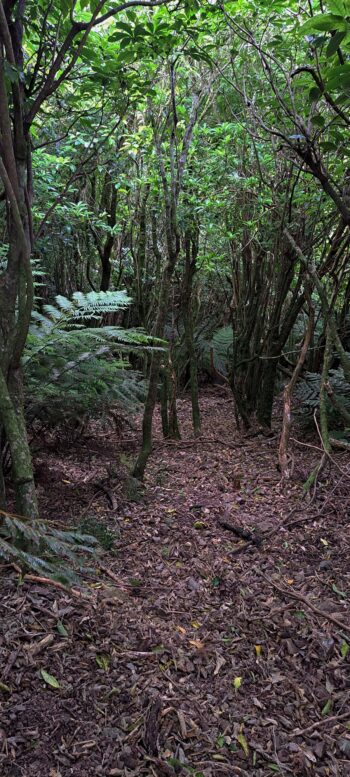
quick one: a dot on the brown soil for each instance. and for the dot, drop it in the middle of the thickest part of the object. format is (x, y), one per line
(193, 650)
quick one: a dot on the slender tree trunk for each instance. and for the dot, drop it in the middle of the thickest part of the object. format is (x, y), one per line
(2, 479)
(171, 196)
(11, 409)
(174, 431)
(190, 268)
(156, 359)
(323, 392)
(164, 402)
(287, 398)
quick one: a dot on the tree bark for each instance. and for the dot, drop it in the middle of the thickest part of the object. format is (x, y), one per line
(287, 397)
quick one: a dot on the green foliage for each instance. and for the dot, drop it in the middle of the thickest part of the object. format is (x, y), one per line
(44, 548)
(307, 394)
(75, 365)
(221, 345)
(96, 528)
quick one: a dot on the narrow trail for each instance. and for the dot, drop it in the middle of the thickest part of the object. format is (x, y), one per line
(191, 652)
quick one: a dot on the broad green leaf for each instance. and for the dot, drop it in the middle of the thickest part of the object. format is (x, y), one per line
(125, 27)
(314, 93)
(337, 7)
(334, 43)
(49, 679)
(324, 22)
(344, 649)
(318, 120)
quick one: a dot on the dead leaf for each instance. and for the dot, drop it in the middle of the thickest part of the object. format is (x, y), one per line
(197, 643)
(220, 661)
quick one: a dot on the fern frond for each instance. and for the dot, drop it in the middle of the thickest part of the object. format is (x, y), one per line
(73, 368)
(19, 537)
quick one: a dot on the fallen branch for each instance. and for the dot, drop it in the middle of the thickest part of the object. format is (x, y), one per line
(301, 598)
(341, 444)
(244, 534)
(301, 732)
(55, 583)
(109, 494)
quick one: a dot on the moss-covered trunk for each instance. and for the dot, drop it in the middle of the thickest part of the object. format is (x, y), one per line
(12, 414)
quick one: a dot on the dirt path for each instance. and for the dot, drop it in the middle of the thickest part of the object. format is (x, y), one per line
(196, 656)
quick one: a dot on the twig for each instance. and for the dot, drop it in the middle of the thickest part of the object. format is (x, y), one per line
(300, 732)
(115, 578)
(55, 583)
(226, 767)
(306, 444)
(305, 600)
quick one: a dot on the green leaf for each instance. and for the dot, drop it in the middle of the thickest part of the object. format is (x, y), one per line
(61, 629)
(49, 679)
(324, 22)
(126, 27)
(344, 649)
(337, 591)
(4, 688)
(337, 7)
(327, 707)
(334, 43)
(10, 72)
(103, 661)
(318, 120)
(244, 744)
(314, 93)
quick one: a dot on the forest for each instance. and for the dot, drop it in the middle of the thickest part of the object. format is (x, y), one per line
(174, 388)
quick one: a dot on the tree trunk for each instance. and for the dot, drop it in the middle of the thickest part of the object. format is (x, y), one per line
(156, 359)
(2, 482)
(190, 268)
(267, 392)
(164, 402)
(174, 431)
(12, 414)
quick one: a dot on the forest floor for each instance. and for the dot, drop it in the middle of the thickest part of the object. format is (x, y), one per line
(191, 650)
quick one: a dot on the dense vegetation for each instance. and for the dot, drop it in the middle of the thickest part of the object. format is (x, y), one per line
(174, 172)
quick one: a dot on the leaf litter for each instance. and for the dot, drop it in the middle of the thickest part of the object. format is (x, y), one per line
(195, 651)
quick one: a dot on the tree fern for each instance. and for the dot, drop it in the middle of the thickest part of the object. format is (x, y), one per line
(75, 365)
(221, 344)
(307, 394)
(42, 547)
